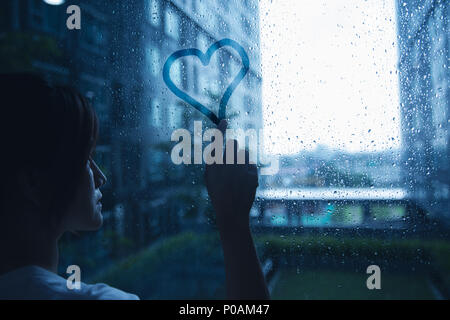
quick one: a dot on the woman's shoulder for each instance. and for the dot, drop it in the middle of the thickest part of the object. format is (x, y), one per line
(102, 291)
(34, 282)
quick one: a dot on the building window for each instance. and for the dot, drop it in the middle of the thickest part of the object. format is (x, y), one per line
(37, 13)
(225, 5)
(155, 114)
(196, 79)
(201, 8)
(175, 73)
(251, 83)
(202, 81)
(202, 42)
(214, 87)
(246, 25)
(224, 61)
(175, 115)
(154, 60)
(248, 104)
(248, 4)
(172, 24)
(94, 35)
(156, 159)
(154, 12)
(222, 25)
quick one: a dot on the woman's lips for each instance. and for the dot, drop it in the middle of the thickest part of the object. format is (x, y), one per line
(99, 198)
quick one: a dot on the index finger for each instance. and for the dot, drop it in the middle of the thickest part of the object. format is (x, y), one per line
(223, 127)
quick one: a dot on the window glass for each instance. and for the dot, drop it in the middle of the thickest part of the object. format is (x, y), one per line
(175, 116)
(154, 61)
(172, 24)
(202, 42)
(345, 105)
(201, 8)
(154, 12)
(156, 112)
(176, 72)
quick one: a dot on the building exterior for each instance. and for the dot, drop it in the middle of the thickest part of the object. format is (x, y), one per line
(116, 60)
(324, 167)
(80, 58)
(424, 93)
(173, 25)
(167, 26)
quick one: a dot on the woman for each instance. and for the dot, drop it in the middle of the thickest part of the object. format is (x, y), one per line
(50, 185)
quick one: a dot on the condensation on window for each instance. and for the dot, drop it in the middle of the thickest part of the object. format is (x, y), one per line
(351, 98)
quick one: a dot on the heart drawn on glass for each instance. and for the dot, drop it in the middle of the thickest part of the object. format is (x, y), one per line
(205, 59)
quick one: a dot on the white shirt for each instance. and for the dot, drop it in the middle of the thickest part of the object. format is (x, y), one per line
(36, 283)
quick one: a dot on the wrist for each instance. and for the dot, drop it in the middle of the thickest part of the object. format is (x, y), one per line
(236, 240)
(233, 228)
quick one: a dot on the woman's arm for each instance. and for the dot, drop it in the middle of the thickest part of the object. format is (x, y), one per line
(232, 189)
(244, 277)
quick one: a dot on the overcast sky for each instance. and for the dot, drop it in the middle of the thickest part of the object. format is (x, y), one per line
(329, 75)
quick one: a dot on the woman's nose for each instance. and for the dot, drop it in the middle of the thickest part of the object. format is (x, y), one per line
(100, 178)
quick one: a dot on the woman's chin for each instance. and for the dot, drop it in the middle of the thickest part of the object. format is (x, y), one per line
(97, 222)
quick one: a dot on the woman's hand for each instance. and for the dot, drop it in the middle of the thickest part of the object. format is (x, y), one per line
(232, 188)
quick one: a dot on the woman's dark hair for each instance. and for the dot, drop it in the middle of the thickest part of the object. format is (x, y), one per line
(44, 128)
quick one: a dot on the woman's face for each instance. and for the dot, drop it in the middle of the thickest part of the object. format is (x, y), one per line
(85, 212)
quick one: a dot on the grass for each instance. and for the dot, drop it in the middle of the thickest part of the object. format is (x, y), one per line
(185, 266)
(412, 249)
(190, 266)
(332, 285)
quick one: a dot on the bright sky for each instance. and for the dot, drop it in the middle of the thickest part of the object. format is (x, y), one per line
(329, 75)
